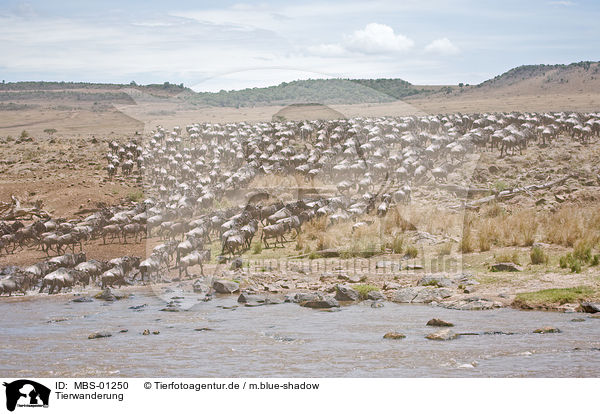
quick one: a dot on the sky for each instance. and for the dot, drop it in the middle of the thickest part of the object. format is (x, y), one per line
(211, 46)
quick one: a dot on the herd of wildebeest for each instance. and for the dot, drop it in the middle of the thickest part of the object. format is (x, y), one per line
(361, 166)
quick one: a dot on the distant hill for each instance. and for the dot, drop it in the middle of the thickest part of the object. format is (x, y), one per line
(529, 80)
(536, 80)
(324, 91)
(83, 92)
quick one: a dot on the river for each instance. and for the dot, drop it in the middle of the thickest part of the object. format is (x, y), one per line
(47, 336)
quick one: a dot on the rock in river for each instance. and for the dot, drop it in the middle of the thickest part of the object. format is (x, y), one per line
(438, 322)
(345, 293)
(547, 329)
(301, 297)
(225, 286)
(97, 335)
(420, 294)
(82, 299)
(107, 295)
(394, 335)
(375, 295)
(442, 335)
(590, 307)
(322, 303)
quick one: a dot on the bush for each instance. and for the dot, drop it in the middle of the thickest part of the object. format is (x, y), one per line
(570, 261)
(135, 196)
(538, 256)
(363, 290)
(397, 244)
(583, 251)
(257, 248)
(575, 266)
(595, 260)
(412, 252)
(466, 243)
(508, 258)
(24, 134)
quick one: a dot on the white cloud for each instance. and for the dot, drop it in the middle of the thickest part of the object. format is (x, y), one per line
(377, 38)
(561, 3)
(442, 46)
(327, 49)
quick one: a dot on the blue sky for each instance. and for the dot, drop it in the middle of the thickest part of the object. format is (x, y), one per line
(232, 45)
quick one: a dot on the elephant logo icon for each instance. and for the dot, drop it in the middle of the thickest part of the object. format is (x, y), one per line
(26, 393)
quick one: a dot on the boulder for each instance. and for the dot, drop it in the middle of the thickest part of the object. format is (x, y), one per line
(590, 307)
(200, 287)
(301, 297)
(346, 294)
(273, 300)
(435, 280)
(82, 299)
(506, 267)
(546, 330)
(420, 294)
(377, 304)
(442, 335)
(247, 298)
(438, 322)
(473, 303)
(392, 286)
(375, 295)
(387, 264)
(106, 295)
(225, 286)
(394, 335)
(97, 335)
(322, 303)
(236, 263)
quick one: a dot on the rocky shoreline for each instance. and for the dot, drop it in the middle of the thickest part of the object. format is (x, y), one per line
(331, 290)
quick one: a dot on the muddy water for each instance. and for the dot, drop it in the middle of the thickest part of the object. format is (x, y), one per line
(47, 336)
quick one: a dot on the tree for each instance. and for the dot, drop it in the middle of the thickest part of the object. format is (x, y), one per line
(461, 84)
(50, 131)
(132, 83)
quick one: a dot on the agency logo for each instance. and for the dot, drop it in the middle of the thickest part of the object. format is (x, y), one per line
(26, 393)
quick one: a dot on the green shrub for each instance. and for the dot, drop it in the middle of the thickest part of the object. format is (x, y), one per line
(583, 251)
(135, 196)
(575, 266)
(563, 261)
(538, 256)
(570, 261)
(363, 290)
(595, 260)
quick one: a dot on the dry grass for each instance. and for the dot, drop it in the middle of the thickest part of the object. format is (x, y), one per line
(573, 223)
(508, 257)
